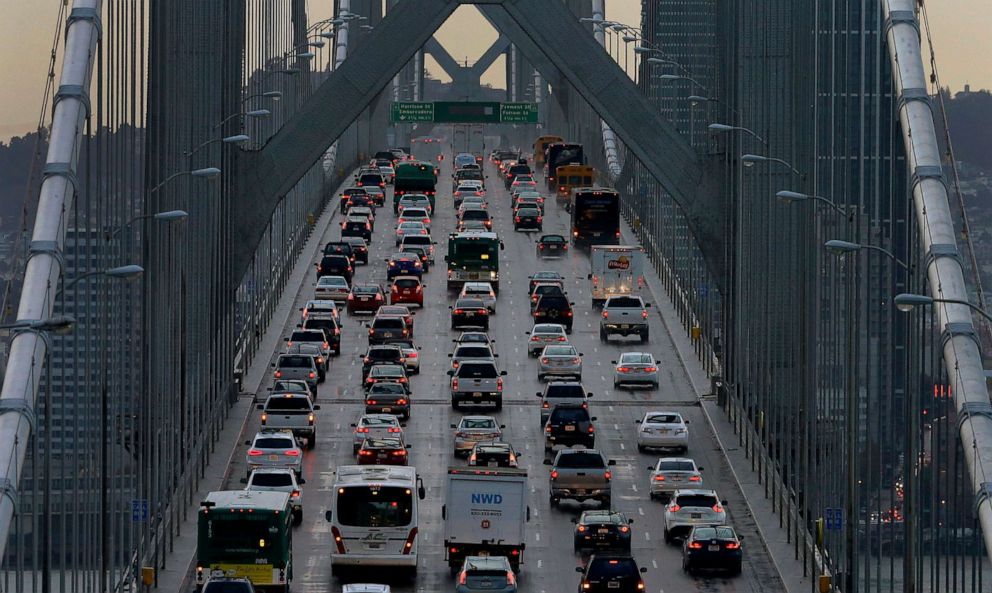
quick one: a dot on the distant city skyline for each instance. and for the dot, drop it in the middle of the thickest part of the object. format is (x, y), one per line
(960, 33)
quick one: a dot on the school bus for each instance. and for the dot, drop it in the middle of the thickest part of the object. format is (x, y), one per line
(571, 176)
(539, 146)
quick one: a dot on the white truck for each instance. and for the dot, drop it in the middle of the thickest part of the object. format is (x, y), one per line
(616, 270)
(484, 514)
(469, 138)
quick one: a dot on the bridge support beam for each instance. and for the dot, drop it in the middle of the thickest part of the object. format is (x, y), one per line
(544, 32)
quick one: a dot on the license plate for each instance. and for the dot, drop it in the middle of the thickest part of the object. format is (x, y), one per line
(663, 431)
(613, 585)
(696, 515)
(387, 335)
(625, 326)
(365, 299)
(603, 530)
(476, 394)
(373, 546)
(715, 548)
(493, 464)
(469, 314)
(386, 410)
(483, 553)
(569, 429)
(273, 458)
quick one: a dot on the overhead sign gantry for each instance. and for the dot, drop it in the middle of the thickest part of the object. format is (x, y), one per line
(464, 112)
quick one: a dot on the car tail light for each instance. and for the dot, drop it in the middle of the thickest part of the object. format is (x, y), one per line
(581, 528)
(370, 380)
(591, 430)
(461, 578)
(295, 493)
(576, 360)
(278, 374)
(255, 452)
(311, 418)
(459, 311)
(337, 539)
(624, 529)
(575, 233)
(371, 332)
(399, 452)
(312, 374)
(370, 402)
(364, 453)
(618, 236)
(265, 417)
(362, 429)
(640, 585)
(732, 546)
(540, 218)
(547, 429)
(292, 453)
(401, 402)
(606, 314)
(644, 314)
(717, 508)
(623, 369)
(561, 188)
(545, 405)
(695, 545)
(534, 338)
(695, 479)
(674, 508)
(659, 478)
(568, 313)
(412, 355)
(650, 369)
(402, 380)
(554, 474)
(499, 384)
(585, 585)
(562, 338)
(545, 360)
(393, 430)
(454, 383)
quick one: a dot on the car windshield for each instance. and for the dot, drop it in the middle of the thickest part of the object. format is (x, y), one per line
(548, 329)
(475, 214)
(332, 281)
(477, 371)
(565, 391)
(563, 415)
(387, 370)
(274, 443)
(417, 241)
(469, 304)
(272, 480)
(293, 362)
(552, 301)
(406, 283)
(387, 389)
(713, 533)
(663, 419)
(379, 421)
(580, 459)
(414, 213)
(365, 290)
(387, 323)
(547, 276)
(478, 423)
(287, 403)
(676, 466)
(528, 212)
(374, 506)
(624, 302)
(559, 351)
(307, 336)
(602, 518)
(612, 568)
(696, 500)
(636, 358)
(473, 352)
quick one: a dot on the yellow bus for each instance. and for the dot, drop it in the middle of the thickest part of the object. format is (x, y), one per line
(539, 145)
(569, 177)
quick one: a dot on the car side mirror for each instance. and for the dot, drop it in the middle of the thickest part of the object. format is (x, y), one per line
(273, 365)
(685, 421)
(740, 538)
(450, 373)
(637, 421)
(244, 480)
(450, 355)
(581, 354)
(316, 406)
(723, 502)
(353, 425)
(571, 303)
(699, 469)
(421, 492)
(301, 481)
(611, 462)
(593, 419)
(454, 426)
(502, 373)
(547, 462)
(327, 516)
(285, 339)
(409, 446)
(643, 570)
(502, 426)
(588, 276)
(578, 569)
(247, 442)
(647, 305)
(589, 394)
(260, 406)
(526, 333)
(537, 393)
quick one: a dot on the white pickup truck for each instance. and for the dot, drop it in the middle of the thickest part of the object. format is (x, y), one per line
(625, 316)
(484, 513)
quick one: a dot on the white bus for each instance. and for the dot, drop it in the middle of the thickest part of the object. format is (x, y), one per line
(373, 516)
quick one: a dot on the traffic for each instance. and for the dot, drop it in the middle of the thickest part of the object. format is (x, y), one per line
(476, 377)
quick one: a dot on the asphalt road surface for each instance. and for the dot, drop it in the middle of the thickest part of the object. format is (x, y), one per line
(549, 561)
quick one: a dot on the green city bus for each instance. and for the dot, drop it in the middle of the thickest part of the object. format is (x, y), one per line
(414, 177)
(473, 257)
(246, 534)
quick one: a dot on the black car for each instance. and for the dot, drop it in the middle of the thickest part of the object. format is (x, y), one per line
(541, 290)
(383, 451)
(382, 354)
(340, 248)
(357, 227)
(388, 398)
(331, 327)
(552, 246)
(422, 252)
(360, 249)
(554, 309)
(468, 312)
(370, 178)
(569, 425)
(529, 219)
(355, 200)
(521, 168)
(494, 454)
(346, 197)
(602, 529)
(335, 265)
(611, 573)
(716, 547)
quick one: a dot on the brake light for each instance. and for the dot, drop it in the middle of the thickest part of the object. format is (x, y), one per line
(510, 578)
(624, 529)
(254, 453)
(312, 374)
(336, 533)
(517, 219)
(717, 508)
(364, 453)
(606, 314)
(640, 585)
(362, 429)
(540, 218)
(311, 418)
(659, 478)
(399, 452)
(696, 545)
(265, 417)
(499, 384)
(278, 374)
(401, 402)
(412, 355)
(458, 311)
(644, 314)
(554, 474)
(695, 479)
(732, 546)
(545, 360)
(461, 578)
(454, 383)
(581, 528)
(292, 453)
(591, 430)
(370, 402)
(650, 369)
(623, 369)
(547, 429)
(576, 361)
(674, 508)
(562, 338)
(295, 493)
(561, 188)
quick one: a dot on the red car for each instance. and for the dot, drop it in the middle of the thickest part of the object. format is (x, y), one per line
(365, 298)
(382, 451)
(399, 311)
(406, 289)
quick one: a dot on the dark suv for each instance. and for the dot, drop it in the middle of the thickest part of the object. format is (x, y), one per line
(346, 196)
(357, 227)
(602, 529)
(335, 265)
(554, 309)
(521, 168)
(340, 248)
(384, 354)
(609, 573)
(569, 425)
(370, 178)
(562, 392)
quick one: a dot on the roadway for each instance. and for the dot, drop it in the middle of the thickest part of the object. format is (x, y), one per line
(549, 560)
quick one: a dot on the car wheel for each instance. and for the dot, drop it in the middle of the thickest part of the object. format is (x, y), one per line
(455, 405)
(668, 537)
(354, 449)
(553, 501)
(499, 405)
(603, 337)
(685, 564)
(736, 570)
(297, 517)
(644, 336)
(641, 448)
(312, 441)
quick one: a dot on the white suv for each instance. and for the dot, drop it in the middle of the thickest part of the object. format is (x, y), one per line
(692, 508)
(279, 480)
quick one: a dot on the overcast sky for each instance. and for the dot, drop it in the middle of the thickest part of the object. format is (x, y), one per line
(961, 30)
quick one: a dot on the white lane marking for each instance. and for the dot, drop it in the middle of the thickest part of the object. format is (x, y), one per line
(338, 425)
(622, 447)
(647, 535)
(615, 425)
(611, 407)
(537, 536)
(540, 563)
(640, 511)
(633, 487)
(654, 564)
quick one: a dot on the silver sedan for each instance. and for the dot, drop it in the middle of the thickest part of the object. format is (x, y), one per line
(560, 360)
(635, 368)
(544, 334)
(672, 473)
(475, 429)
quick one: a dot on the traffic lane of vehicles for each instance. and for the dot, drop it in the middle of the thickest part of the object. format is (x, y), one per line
(547, 564)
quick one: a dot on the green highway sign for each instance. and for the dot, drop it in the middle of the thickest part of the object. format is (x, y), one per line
(518, 113)
(412, 112)
(464, 112)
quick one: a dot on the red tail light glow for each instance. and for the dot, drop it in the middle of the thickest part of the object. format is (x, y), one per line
(732, 546)
(554, 474)
(254, 453)
(292, 453)
(695, 545)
